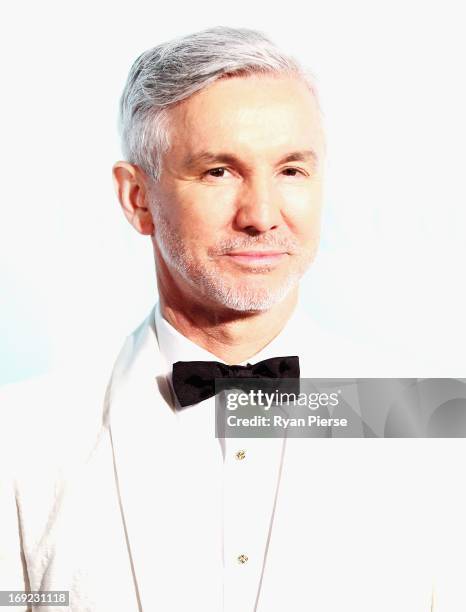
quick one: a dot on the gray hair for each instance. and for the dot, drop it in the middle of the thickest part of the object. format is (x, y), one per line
(175, 70)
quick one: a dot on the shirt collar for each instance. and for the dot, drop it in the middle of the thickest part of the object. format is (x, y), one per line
(176, 347)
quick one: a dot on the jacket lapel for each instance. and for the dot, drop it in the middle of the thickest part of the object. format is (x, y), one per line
(171, 506)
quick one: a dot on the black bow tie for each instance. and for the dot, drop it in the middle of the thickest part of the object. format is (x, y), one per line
(194, 381)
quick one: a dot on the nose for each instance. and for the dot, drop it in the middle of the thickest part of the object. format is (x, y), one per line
(258, 206)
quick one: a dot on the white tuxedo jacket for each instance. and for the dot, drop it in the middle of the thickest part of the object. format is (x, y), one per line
(104, 495)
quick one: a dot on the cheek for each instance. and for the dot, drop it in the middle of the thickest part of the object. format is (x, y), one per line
(205, 212)
(303, 212)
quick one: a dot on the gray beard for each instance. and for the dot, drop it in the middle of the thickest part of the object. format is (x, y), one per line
(214, 286)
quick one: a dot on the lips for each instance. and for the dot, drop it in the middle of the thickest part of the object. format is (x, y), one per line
(264, 258)
(255, 253)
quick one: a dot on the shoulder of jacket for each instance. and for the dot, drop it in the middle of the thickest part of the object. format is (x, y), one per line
(50, 419)
(333, 353)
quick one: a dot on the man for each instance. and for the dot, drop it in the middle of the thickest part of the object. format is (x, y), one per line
(143, 508)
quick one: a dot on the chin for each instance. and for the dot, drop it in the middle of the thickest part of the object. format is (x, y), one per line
(252, 300)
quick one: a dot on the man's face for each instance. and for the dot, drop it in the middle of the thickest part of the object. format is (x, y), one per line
(237, 208)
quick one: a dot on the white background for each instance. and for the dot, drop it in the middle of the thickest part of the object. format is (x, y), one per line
(76, 278)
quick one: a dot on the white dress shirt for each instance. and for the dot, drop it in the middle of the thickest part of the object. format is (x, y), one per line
(251, 469)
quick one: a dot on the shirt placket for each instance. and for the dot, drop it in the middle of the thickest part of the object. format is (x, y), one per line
(251, 472)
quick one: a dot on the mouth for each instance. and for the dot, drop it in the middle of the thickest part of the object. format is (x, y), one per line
(257, 258)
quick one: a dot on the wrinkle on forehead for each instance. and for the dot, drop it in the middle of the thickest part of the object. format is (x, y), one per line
(260, 111)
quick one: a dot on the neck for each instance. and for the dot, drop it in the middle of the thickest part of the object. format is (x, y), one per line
(233, 336)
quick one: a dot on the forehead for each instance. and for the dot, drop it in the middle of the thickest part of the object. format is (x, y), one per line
(253, 114)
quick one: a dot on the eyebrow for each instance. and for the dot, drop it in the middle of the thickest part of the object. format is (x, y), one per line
(227, 158)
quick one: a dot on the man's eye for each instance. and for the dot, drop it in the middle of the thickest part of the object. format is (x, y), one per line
(216, 172)
(292, 172)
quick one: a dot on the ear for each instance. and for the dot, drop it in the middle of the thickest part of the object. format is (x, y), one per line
(131, 185)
